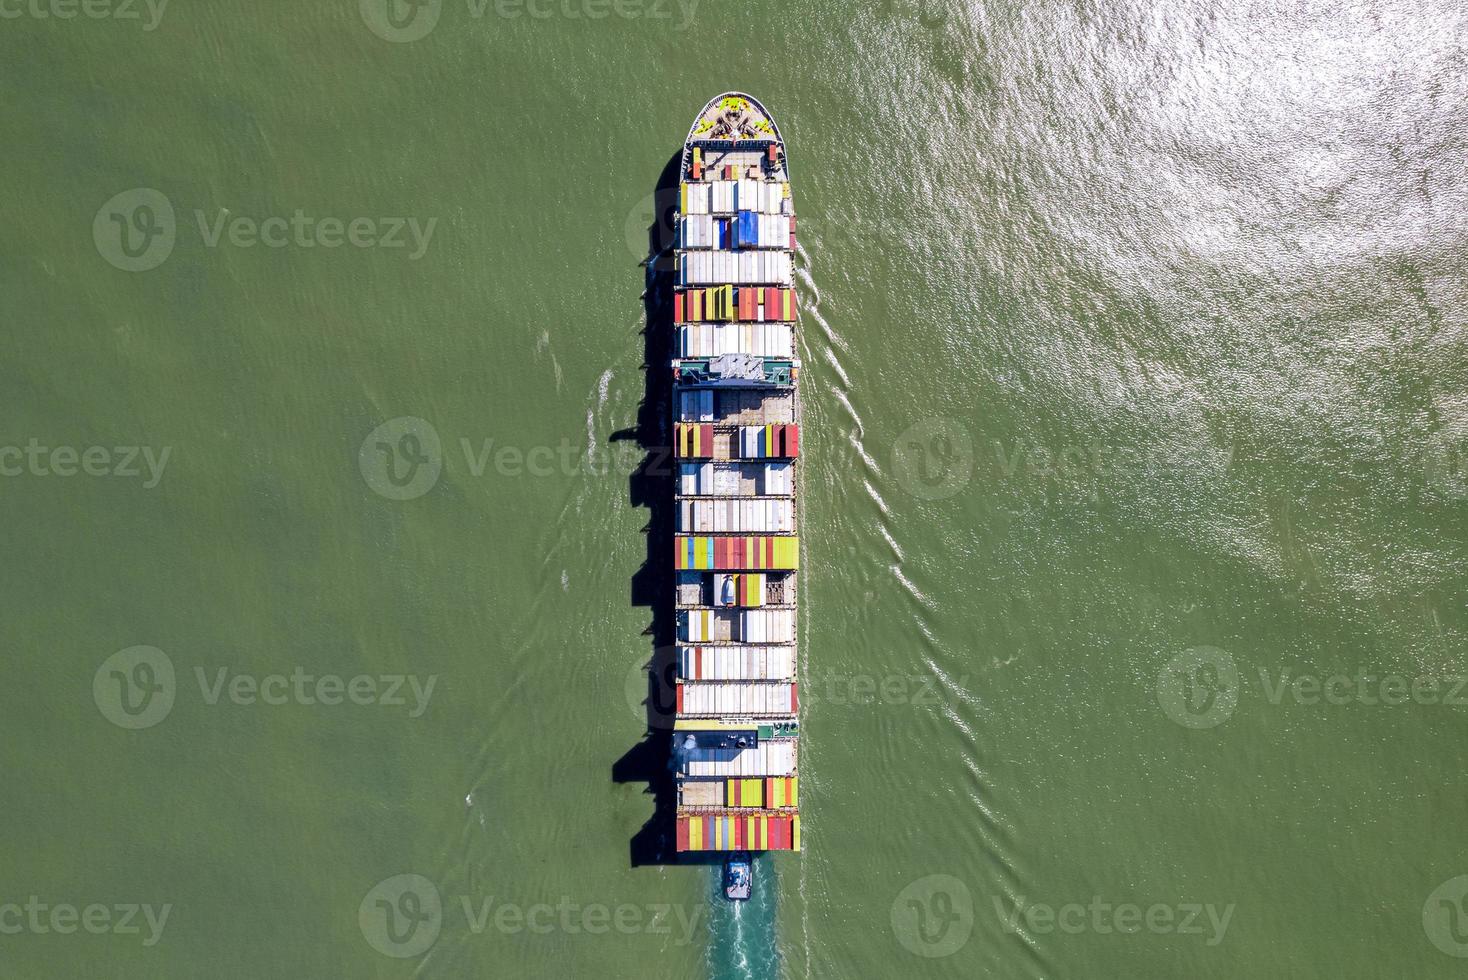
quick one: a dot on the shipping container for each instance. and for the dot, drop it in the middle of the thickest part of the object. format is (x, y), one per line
(739, 832)
(737, 516)
(692, 439)
(751, 698)
(745, 791)
(694, 198)
(781, 792)
(766, 626)
(773, 757)
(739, 588)
(719, 266)
(696, 405)
(714, 339)
(736, 663)
(736, 552)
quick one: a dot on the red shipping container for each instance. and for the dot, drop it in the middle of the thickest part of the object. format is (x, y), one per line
(683, 833)
(772, 304)
(792, 232)
(794, 696)
(677, 307)
(792, 441)
(779, 833)
(680, 698)
(746, 304)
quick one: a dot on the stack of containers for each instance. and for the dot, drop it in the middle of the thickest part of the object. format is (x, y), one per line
(736, 516)
(767, 626)
(693, 439)
(696, 405)
(755, 832)
(773, 441)
(746, 589)
(736, 553)
(736, 663)
(738, 698)
(772, 757)
(695, 478)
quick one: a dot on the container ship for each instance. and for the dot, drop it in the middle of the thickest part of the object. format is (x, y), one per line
(736, 429)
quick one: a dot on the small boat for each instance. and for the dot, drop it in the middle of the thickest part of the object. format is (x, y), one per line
(738, 877)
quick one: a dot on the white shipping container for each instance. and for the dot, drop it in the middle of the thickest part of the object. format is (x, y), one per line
(767, 625)
(696, 231)
(713, 339)
(737, 516)
(701, 698)
(698, 199)
(695, 625)
(777, 479)
(736, 663)
(723, 196)
(772, 757)
(695, 478)
(711, 267)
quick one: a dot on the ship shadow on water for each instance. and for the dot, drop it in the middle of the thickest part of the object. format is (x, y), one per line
(651, 486)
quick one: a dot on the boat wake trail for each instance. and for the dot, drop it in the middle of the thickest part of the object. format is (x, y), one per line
(742, 934)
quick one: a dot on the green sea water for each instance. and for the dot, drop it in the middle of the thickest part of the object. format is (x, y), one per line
(1135, 495)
